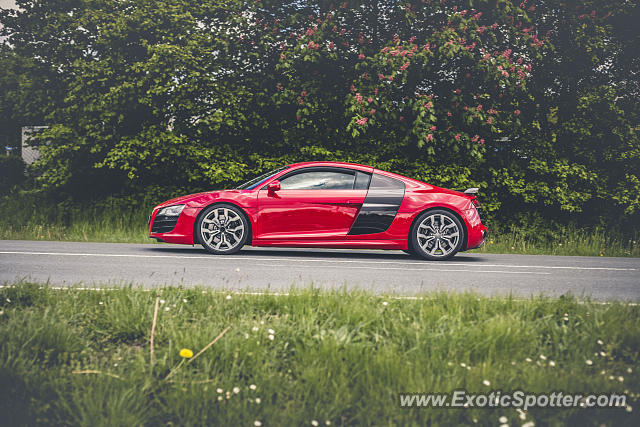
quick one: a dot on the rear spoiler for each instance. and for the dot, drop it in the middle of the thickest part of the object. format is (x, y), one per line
(473, 190)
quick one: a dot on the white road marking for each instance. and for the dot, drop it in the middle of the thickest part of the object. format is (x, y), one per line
(291, 259)
(415, 269)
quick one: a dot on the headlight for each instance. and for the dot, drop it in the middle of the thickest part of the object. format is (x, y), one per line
(171, 210)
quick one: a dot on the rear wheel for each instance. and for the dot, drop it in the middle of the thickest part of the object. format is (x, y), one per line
(222, 229)
(437, 235)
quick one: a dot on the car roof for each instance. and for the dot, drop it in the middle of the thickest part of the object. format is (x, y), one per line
(334, 164)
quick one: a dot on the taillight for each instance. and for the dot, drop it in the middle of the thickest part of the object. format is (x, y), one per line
(475, 202)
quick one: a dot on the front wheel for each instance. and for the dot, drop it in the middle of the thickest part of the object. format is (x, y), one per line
(437, 235)
(222, 229)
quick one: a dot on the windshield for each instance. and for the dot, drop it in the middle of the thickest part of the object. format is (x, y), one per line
(255, 182)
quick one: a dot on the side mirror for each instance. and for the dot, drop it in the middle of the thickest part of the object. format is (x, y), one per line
(273, 186)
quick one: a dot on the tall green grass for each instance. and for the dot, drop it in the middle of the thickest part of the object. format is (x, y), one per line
(78, 357)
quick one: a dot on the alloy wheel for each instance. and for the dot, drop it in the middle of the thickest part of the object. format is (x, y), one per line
(438, 235)
(222, 229)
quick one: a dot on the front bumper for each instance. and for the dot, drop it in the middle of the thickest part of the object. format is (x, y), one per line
(180, 232)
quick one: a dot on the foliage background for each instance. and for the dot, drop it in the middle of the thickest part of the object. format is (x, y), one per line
(535, 102)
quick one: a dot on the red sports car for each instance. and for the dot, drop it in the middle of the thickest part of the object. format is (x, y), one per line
(329, 205)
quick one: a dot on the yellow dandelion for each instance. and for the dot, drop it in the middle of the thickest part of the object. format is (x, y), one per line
(186, 353)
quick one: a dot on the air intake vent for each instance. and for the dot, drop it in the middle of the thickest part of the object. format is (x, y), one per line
(163, 224)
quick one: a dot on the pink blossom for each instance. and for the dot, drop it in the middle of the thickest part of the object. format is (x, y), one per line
(481, 29)
(390, 78)
(430, 137)
(361, 56)
(331, 45)
(375, 90)
(475, 138)
(457, 137)
(479, 107)
(481, 142)
(490, 120)
(404, 66)
(358, 98)
(517, 112)
(449, 113)
(372, 112)
(362, 121)
(458, 91)
(505, 74)
(300, 101)
(428, 105)
(380, 76)
(433, 128)
(279, 86)
(369, 100)
(352, 88)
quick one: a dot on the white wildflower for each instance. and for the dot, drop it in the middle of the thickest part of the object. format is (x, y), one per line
(589, 362)
(252, 387)
(503, 419)
(257, 423)
(236, 390)
(486, 382)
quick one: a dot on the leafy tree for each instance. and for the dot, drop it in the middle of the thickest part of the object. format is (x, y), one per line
(534, 101)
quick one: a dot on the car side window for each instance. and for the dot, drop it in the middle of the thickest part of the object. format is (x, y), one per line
(319, 180)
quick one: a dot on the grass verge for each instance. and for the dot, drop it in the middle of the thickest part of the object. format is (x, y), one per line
(83, 357)
(568, 241)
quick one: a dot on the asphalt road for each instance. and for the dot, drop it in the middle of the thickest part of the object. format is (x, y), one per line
(70, 263)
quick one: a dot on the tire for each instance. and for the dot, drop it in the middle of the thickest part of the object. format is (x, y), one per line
(222, 229)
(409, 251)
(437, 235)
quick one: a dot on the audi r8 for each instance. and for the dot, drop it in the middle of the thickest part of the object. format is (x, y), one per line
(328, 205)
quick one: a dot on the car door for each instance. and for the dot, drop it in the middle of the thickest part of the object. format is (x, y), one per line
(318, 203)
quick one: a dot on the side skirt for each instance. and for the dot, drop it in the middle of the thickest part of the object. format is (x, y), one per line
(336, 244)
